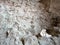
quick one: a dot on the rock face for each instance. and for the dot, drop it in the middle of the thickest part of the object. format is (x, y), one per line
(22, 20)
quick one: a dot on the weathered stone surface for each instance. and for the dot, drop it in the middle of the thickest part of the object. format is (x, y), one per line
(22, 20)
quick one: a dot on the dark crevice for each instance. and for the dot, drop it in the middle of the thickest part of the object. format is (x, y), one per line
(55, 21)
(53, 41)
(39, 43)
(53, 32)
(38, 35)
(7, 34)
(22, 41)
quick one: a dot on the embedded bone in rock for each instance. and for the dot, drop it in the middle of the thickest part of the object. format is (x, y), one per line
(22, 20)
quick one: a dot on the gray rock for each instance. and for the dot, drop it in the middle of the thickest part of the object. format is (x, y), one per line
(24, 19)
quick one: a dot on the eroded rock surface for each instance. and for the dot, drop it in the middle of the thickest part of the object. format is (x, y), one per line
(22, 20)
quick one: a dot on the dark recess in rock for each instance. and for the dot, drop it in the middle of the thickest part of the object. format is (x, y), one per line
(22, 41)
(53, 32)
(7, 34)
(38, 35)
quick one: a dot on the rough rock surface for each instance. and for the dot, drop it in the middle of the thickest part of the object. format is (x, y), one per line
(22, 20)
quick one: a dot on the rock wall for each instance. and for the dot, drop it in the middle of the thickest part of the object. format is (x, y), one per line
(22, 20)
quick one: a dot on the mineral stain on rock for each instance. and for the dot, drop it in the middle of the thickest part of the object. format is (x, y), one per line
(46, 4)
